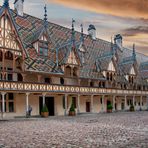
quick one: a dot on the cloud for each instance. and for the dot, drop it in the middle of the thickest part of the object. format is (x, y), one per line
(135, 31)
(122, 8)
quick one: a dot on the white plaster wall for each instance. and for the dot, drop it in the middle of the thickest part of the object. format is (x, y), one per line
(59, 110)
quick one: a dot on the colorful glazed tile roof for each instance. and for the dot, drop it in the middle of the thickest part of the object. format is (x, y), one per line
(98, 52)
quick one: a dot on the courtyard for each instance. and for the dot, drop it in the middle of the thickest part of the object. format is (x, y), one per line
(115, 130)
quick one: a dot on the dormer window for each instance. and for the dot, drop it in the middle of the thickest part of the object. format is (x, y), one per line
(43, 48)
(131, 79)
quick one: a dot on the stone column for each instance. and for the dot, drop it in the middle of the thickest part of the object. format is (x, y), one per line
(114, 97)
(3, 103)
(27, 102)
(125, 103)
(66, 104)
(134, 101)
(103, 107)
(44, 94)
(141, 102)
(78, 104)
(92, 103)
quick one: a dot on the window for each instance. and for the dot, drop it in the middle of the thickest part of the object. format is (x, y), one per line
(47, 80)
(43, 48)
(9, 102)
(91, 84)
(43, 51)
(10, 77)
(62, 81)
(8, 55)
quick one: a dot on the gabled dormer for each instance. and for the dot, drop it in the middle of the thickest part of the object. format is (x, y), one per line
(129, 67)
(72, 60)
(82, 48)
(107, 64)
(9, 37)
(42, 41)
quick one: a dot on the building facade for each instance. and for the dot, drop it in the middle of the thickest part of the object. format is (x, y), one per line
(45, 63)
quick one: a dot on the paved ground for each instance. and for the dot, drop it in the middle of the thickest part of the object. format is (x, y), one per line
(116, 130)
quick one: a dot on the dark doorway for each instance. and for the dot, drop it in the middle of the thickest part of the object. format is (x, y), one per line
(87, 106)
(108, 103)
(50, 104)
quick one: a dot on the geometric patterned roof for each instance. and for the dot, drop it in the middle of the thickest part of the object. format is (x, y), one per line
(98, 51)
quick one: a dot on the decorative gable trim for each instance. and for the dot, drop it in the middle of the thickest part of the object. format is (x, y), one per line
(6, 12)
(111, 66)
(132, 71)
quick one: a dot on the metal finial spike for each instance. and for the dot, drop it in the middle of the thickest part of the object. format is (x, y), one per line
(73, 21)
(82, 38)
(45, 15)
(81, 28)
(6, 3)
(134, 52)
(133, 47)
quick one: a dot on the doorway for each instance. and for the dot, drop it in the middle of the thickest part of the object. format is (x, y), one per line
(87, 106)
(49, 101)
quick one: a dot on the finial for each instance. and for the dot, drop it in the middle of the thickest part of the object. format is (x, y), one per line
(6, 3)
(81, 28)
(82, 37)
(73, 32)
(73, 21)
(45, 15)
(134, 52)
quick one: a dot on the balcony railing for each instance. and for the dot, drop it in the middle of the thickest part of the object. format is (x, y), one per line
(41, 87)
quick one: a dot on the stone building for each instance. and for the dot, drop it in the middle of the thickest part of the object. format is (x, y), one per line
(45, 63)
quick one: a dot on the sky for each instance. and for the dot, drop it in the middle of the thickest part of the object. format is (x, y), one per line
(110, 17)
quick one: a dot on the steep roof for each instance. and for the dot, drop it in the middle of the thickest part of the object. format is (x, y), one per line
(29, 28)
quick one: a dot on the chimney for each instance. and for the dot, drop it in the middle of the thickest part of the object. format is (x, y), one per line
(118, 40)
(92, 31)
(19, 7)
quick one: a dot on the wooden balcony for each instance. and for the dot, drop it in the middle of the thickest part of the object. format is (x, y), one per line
(21, 87)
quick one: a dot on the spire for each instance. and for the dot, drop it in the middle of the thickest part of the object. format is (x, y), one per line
(6, 3)
(45, 16)
(112, 46)
(82, 35)
(73, 33)
(134, 52)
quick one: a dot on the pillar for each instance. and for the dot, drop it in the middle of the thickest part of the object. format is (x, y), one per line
(66, 104)
(3, 103)
(44, 94)
(78, 104)
(134, 101)
(103, 106)
(114, 97)
(125, 103)
(27, 102)
(141, 102)
(92, 103)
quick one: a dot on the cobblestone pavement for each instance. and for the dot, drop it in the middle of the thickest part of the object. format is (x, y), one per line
(115, 130)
